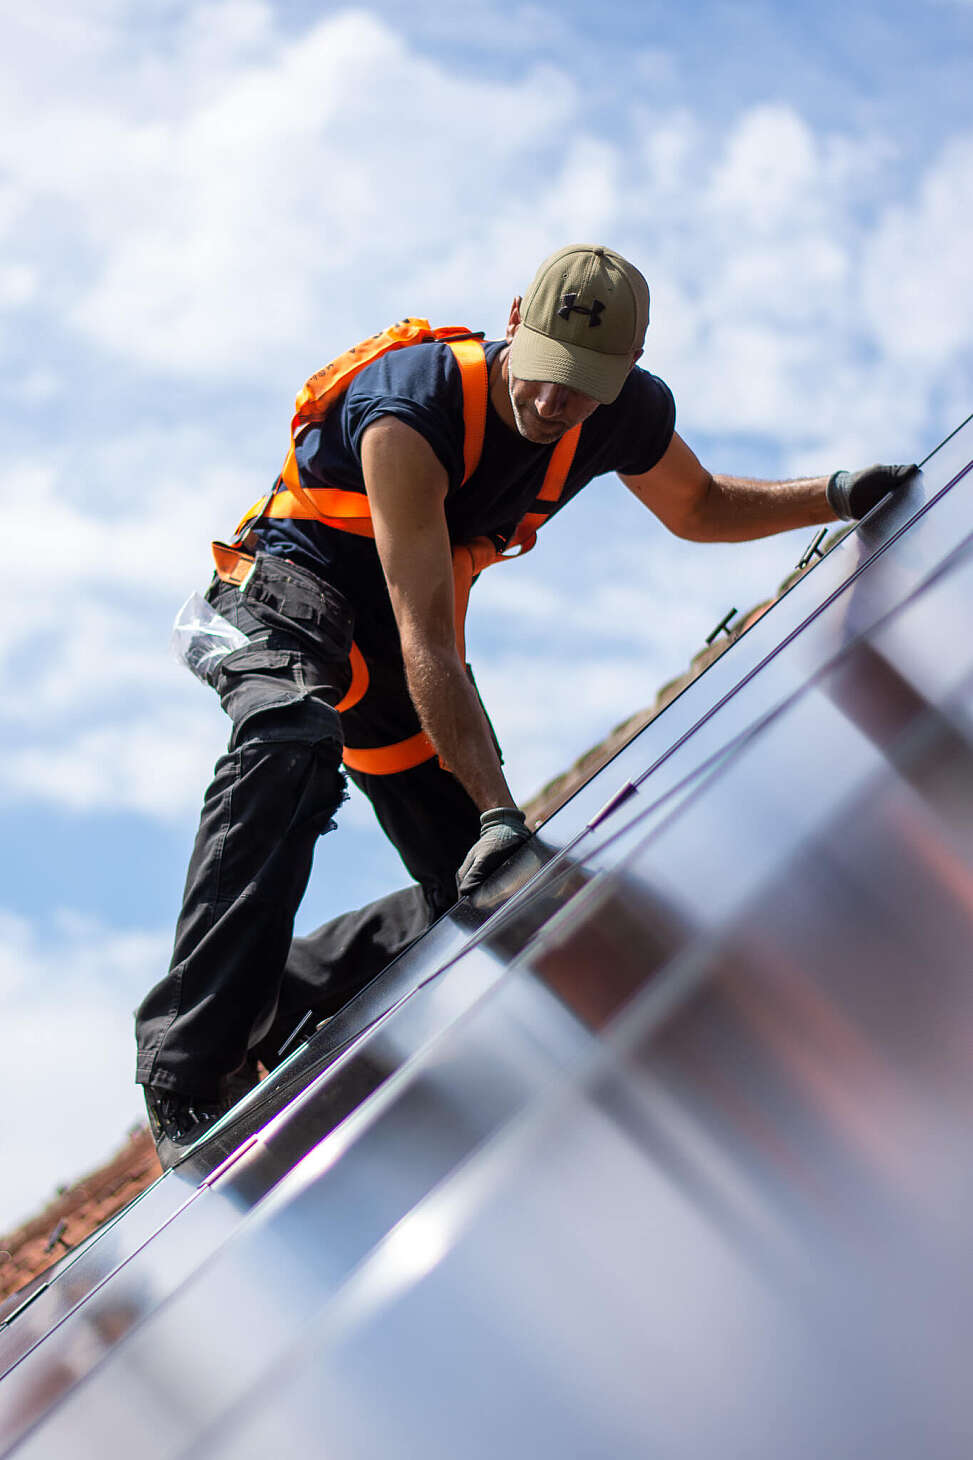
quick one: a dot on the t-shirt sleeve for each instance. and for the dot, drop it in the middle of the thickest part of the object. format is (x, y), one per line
(645, 424)
(420, 386)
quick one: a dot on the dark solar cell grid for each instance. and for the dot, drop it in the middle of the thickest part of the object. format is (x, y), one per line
(759, 1190)
(678, 1127)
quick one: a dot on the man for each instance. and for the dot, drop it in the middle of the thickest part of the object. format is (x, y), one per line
(350, 616)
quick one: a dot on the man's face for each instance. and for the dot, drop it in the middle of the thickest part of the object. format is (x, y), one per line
(544, 411)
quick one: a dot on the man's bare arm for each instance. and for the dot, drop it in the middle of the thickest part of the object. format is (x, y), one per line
(696, 504)
(406, 486)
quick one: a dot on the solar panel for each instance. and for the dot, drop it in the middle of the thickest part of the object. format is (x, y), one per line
(740, 1229)
(654, 1129)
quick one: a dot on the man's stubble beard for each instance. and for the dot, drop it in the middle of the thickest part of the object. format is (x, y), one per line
(519, 416)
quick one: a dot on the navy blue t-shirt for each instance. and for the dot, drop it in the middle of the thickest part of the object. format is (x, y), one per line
(422, 386)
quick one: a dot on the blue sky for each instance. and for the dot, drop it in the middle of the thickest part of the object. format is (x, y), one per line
(199, 204)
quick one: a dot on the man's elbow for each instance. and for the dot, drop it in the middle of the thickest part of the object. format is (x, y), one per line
(694, 523)
(690, 529)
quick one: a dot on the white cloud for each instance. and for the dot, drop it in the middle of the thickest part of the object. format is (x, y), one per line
(759, 278)
(243, 197)
(18, 285)
(126, 531)
(155, 763)
(35, 387)
(67, 993)
(95, 715)
(915, 276)
(769, 173)
(260, 201)
(224, 226)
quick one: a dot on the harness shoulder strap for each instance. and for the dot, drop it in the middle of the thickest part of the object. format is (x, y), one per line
(349, 511)
(547, 499)
(471, 358)
(470, 558)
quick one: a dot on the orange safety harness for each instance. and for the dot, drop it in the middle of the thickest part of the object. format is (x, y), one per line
(348, 511)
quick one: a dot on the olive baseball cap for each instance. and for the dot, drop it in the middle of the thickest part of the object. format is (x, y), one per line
(582, 319)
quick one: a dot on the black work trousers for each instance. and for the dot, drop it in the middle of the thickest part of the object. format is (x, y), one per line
(238, 981)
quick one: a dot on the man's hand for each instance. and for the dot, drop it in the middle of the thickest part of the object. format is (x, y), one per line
(852, 494)
(502, 831)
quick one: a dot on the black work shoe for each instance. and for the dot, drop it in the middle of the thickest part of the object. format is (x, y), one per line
(241, 1082)
(178, 1122)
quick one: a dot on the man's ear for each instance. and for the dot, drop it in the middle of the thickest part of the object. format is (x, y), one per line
(514, 321)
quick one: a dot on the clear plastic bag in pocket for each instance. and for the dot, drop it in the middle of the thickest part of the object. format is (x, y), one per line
(201, 637)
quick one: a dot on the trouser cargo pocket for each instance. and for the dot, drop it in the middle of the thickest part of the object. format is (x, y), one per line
(257, 681)
(284, 682)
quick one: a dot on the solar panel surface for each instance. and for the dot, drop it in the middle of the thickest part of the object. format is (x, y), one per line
(546, 1075)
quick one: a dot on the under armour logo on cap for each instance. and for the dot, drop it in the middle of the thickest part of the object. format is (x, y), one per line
(591, 346)
(568, 307)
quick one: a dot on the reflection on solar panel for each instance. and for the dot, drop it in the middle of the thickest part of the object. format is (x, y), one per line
(661, 1148)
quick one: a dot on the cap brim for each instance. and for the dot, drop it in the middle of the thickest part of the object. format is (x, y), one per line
(534, 356)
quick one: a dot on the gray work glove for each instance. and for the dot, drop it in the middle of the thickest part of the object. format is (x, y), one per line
(853, 493)
(502, 831)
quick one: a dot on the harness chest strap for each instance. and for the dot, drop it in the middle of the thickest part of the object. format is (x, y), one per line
(469, 560)
(349, 511)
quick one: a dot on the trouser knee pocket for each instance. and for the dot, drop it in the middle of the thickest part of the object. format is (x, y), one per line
(278, 694)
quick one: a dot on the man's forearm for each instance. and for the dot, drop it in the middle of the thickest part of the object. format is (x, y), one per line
(737, 509)
(452, 717)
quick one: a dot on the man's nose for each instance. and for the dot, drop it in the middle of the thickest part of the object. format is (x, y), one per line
(550, 399)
